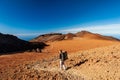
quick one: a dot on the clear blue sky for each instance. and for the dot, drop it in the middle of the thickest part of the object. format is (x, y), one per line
(33, 17)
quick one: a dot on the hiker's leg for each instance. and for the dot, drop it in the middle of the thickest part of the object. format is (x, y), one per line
(64, 67)
(60, 64)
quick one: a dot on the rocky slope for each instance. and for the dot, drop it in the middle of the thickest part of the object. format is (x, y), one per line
(94, 64)
(83, 34)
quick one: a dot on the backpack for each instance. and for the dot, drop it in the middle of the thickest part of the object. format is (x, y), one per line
(65, 56)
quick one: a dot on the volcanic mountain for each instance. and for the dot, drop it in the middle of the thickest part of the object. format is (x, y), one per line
(10, 43)
(89, 35)
(83, 34)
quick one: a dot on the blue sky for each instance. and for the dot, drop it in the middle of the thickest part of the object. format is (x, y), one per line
(30, 18)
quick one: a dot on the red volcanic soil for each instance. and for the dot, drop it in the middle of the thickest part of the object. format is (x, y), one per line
(77, 44)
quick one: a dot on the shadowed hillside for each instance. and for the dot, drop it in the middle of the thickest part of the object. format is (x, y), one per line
(83, 34)
(10, 43)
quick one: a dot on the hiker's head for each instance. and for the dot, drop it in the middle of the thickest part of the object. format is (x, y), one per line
(65, 51)
(60, 51)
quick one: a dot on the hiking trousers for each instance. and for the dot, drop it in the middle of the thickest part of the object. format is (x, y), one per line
(62, 65)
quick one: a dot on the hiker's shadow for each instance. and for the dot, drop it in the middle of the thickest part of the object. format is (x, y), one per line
(80, 63)
(69, 68)
(77, 64)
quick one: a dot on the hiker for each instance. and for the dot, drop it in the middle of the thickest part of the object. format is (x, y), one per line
(63, 56)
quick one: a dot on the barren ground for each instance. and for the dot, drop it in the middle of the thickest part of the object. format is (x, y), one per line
(89, 59)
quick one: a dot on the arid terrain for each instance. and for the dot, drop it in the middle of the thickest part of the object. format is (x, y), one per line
(88, 59)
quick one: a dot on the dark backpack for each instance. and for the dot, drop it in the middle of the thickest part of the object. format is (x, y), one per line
(65, 55)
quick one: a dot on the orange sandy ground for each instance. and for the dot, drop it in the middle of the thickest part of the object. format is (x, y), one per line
(70, 46)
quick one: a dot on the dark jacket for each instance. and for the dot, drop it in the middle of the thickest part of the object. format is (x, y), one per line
(63, 56)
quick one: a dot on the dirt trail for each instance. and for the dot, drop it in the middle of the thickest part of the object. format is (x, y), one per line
(68, 74)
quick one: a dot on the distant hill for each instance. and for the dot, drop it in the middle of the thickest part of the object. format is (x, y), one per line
(49, 37)
(89, 35)
(59, 36)
(10, 43)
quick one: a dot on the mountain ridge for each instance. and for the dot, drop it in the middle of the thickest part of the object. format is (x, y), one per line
(83, 34)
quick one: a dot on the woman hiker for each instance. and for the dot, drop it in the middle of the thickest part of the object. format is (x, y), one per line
(62, 56)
